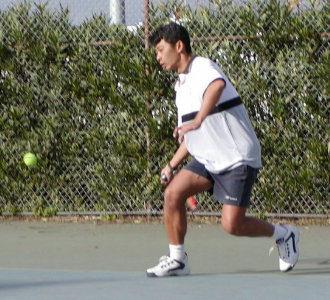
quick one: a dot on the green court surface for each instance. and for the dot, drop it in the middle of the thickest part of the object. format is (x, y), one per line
(48, 260)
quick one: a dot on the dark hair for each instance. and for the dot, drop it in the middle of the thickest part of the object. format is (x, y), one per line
(171, 33)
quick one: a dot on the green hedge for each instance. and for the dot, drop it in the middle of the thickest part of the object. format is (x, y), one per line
(100, 117)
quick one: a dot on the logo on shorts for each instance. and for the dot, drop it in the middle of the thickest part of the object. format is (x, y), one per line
(231, 198)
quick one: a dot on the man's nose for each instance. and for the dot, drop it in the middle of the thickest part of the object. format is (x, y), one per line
(158, 57)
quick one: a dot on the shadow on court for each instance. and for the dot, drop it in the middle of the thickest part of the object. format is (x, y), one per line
(47, 283)
(42, 260)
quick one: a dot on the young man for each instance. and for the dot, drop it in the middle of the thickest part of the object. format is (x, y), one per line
(214, 128)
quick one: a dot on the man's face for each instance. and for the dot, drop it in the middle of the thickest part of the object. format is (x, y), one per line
(167, 55)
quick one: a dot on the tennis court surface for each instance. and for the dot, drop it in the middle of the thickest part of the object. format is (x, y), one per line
(49, 260)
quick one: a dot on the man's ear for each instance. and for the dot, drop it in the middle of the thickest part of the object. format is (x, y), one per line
(180, 47)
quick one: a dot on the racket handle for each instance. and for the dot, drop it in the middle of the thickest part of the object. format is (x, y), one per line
(192, 203)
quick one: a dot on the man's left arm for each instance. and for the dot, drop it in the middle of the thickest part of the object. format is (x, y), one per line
(210, 99)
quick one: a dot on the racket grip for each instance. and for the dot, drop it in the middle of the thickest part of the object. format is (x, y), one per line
(192, 203)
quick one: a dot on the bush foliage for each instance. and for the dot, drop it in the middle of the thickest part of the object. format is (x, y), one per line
(99, 116)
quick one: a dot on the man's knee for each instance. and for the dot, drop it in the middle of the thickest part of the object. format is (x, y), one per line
(171, 198)
(232, 225)
(233, 219)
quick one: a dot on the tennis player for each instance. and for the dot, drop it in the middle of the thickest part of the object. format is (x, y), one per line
(214, 128)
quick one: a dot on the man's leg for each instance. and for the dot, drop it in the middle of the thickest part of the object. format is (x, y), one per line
(235, 222)
(183, 185)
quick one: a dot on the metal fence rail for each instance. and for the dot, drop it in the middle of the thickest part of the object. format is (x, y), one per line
(209, 36)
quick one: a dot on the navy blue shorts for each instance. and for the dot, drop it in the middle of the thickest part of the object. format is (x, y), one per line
(232, 187)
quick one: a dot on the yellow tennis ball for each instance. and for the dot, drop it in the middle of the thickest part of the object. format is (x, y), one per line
(29, 159)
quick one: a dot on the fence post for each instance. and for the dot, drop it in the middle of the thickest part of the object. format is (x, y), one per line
(147, 204)
(117, 12)
(146, 23)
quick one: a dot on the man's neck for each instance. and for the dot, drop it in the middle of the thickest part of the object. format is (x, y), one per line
(185, 62)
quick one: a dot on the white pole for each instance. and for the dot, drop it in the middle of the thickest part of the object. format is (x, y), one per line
(117, 12)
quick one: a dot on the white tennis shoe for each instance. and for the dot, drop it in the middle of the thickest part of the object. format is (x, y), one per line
(288, 248)
(170, 267)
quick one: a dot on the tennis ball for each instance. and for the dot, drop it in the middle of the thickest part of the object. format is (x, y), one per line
(29, 159)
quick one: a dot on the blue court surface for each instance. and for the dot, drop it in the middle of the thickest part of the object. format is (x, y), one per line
(42, 260)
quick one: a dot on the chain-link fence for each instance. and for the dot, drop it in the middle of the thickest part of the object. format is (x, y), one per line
(98, 153)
